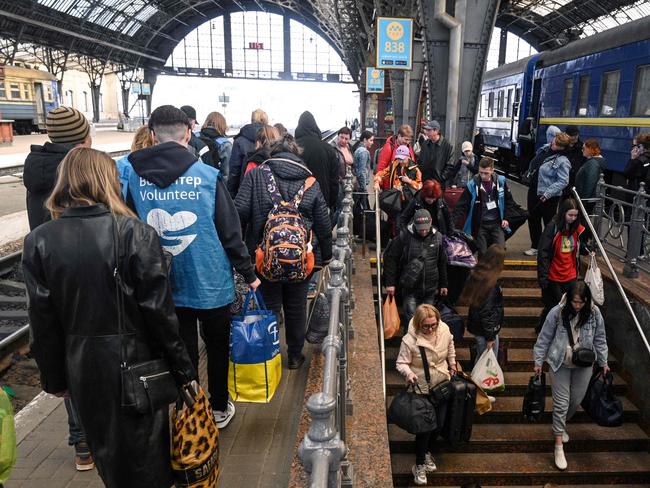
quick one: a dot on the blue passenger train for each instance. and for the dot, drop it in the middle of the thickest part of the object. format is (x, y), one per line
(600, 83)
(26, 96)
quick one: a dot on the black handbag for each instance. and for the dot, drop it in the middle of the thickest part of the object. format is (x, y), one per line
(390, 201)
(534, 398)
(147, 386)
(442, 391)
(600, 403)
(413, 411)
(582, 356)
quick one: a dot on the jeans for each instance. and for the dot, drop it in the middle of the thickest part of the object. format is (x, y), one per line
(292, 298)
(490, 233)
(425, 442)
(215, 330)
(411, 301)
(76, 432)
(551, 296)
(568, 387)
(481, 345)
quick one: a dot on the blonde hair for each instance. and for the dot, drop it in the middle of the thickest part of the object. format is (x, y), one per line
(259, 117)
(142, 138)
(266, 136)
(217, 122)
(562, 140)
(423, 312)
(87, 177)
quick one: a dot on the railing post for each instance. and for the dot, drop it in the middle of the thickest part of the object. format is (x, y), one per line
(599, 211)
(635, 234)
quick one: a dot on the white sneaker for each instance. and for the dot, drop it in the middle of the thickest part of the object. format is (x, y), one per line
(223, 418)
(531, 252)
(565, 437)
(429, 463)
(492, 399)
(419, 474)
(560, 460)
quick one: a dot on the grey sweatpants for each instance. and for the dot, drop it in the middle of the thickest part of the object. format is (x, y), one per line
(568, 387)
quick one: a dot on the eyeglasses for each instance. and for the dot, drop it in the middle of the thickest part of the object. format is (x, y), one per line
(429, 326)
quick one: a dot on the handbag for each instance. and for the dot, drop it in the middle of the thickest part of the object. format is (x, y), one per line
(318, 322)
(442, 391)
(413, 411)
(581, 356)
(147, 386)
(594, 281)
(390, 201)
(534, 398)
(600, 403)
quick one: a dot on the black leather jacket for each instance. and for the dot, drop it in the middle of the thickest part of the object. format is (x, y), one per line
(487, 319)
(68, 266)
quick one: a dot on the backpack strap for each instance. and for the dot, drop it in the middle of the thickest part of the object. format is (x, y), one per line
(271, 185)
(306, 186)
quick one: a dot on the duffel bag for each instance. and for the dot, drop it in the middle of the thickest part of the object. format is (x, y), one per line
(413, 411)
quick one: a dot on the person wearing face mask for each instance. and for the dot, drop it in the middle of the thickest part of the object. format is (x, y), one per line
(427, 332)
(576, 314)
(416, 260)
(559, 254)
(465, 167)
(429, 198)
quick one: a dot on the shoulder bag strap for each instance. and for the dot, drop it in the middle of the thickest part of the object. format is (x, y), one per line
(271, 184)
(306, 186)
(567, 325)
(425, 363)
(119, 292)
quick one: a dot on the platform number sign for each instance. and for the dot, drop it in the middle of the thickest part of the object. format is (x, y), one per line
(394, 43)
(374, 80)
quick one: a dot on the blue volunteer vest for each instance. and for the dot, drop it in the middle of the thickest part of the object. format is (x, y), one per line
(501, 202)
(124, 170)
(183, 216)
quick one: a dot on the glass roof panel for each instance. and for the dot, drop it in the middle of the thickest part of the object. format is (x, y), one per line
(618, 17)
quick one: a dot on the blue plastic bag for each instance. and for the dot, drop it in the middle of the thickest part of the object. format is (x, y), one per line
(255, 362)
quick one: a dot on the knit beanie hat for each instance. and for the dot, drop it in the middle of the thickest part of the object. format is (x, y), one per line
(66, 125)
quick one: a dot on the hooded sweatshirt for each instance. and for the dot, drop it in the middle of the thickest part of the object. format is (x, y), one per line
(187, 202)
(319, 157)
(243, 145)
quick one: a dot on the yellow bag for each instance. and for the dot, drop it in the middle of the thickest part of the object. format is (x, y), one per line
(7, 436)
(254, 383)
(483, 403)
(195, 441)
(391, 317)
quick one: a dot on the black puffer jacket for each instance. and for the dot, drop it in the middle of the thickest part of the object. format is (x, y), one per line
(636, 171)
(487, 320)
(243, 145)
(39, 176)
(73, 319)
(254, 203)
(440, 215)
(408, 245)
(321, 158)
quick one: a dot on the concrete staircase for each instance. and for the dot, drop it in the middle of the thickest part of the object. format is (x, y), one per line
(505, 449)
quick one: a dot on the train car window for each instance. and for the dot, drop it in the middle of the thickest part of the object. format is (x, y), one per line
(491, 104)
(500, 103)
(583, 96)
(609, 92)
(509, 103)
(641, 100)
(568, 96)
(485, 103)
(14, 88)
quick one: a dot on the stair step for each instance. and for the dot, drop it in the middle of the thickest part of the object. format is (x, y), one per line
(518, 278)
(520, 297)
(524, 316)
(510, 336)
(527, 468)
(534, 438)
(521, 264)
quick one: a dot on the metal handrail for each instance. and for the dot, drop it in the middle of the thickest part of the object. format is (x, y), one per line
(380, 314)
(621, 291)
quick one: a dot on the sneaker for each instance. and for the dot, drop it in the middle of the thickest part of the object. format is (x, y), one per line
(565, 437)
(223, 418)
(531, 252)
(429, 463)
(560, 460)
(83, 460)
(295, 362)
(492, 399)
(419, 474)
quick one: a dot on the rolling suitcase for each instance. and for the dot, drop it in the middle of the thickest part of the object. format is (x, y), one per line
(460, 411)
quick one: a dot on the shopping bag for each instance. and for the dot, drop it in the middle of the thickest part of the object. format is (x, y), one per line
(483, 403)
(7, 437)
(413, 411)
(390, 201)
(458, 252)
(255, 362)
(487, 372)
(391, 317)
(195, 441)
(600, 403)
(534, 398)
(594, 281)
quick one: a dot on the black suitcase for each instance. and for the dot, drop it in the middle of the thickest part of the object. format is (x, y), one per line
(460, 411)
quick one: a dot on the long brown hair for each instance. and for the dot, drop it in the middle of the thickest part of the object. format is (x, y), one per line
(87, 177)
(484, 277)
(217, 122)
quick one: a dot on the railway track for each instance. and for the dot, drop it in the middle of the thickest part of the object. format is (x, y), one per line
(14, 328)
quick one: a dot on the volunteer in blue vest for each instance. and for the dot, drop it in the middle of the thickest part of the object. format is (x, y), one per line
(187, 202)
(486, 203)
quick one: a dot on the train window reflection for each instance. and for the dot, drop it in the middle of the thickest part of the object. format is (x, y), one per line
(609, 92)
(568, 95)
(641, 97)
(491, 105)
(583, 96)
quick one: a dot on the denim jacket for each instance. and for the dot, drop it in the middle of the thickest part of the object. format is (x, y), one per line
(553, 340)
(553, 176)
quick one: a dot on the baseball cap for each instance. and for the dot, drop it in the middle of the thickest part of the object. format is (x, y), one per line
(189, 111)
(466, 146)
(432, 124)
(402, 152)
(422, 219)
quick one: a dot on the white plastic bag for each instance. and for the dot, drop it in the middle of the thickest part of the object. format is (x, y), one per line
(594, 281)
(487, 372)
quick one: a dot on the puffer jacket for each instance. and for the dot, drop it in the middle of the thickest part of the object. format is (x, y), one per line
(487, 319)
(243, 145)
(440, 351)
(553, 339)
(253, 203)
(440, 215)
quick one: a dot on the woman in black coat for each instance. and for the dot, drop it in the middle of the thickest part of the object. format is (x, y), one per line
(69, 266)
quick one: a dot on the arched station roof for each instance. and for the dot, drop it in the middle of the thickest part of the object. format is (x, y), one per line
(143, 33)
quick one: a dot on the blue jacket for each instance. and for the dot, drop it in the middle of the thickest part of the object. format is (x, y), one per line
(553, 340)
(187, 203)
(472, 189)
(553, 176)
(124, 170)
(361, 167)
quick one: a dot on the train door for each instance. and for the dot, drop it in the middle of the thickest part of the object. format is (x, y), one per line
(40, 105)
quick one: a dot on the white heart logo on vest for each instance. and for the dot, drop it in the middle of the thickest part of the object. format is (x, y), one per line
(167, 226)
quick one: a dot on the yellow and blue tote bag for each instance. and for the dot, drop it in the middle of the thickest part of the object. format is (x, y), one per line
(255, 361)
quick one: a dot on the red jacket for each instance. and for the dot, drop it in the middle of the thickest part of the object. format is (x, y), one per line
(386, 156)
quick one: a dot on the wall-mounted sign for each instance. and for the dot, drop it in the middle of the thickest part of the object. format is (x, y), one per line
(255, 45)
(140, 88)
(394, 43)
(374, 80)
